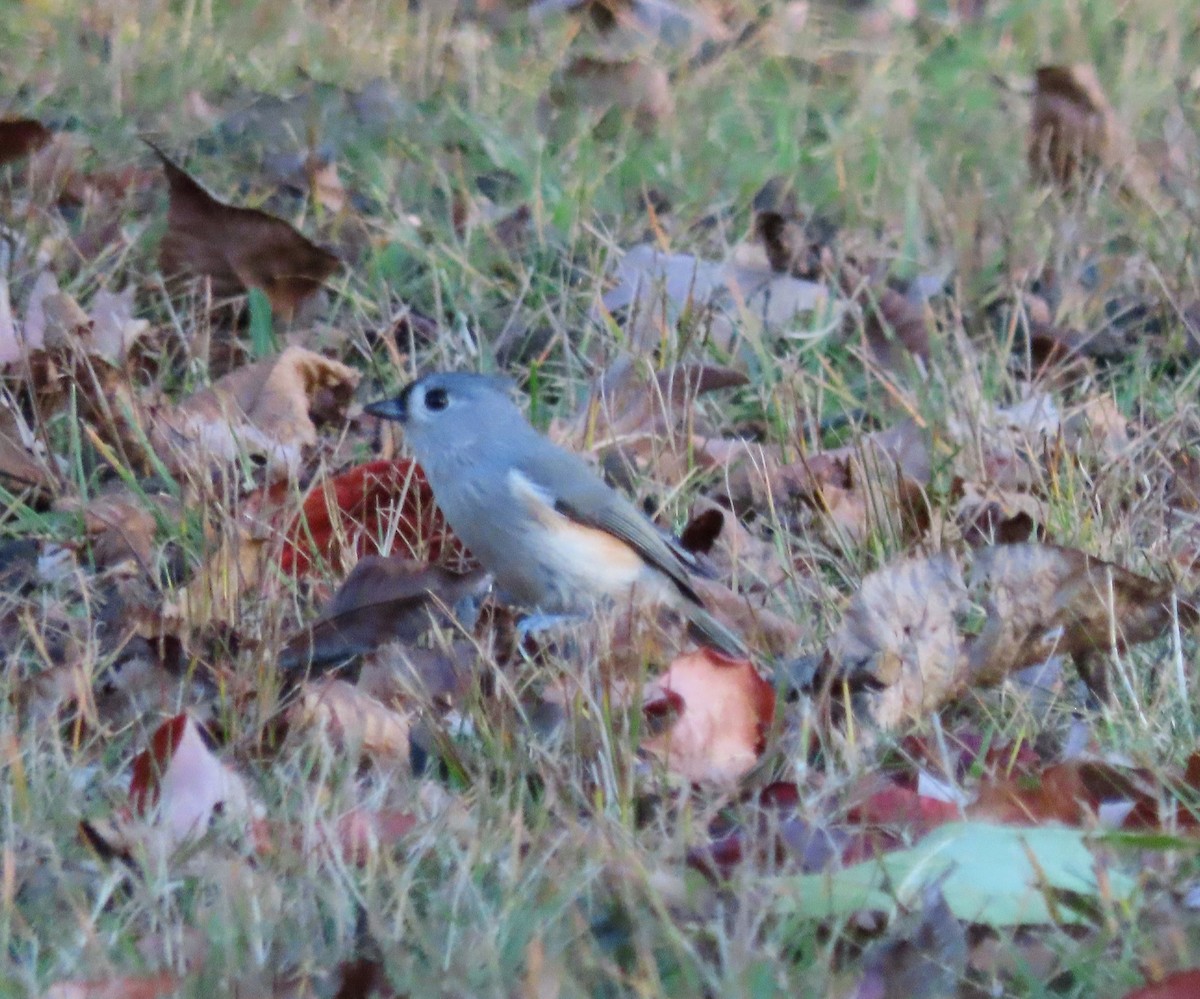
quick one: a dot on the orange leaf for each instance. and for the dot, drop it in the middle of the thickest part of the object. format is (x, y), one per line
(722, 707)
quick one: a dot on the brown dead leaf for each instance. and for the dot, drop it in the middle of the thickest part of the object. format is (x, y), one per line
(1074, 132)
(1044, 600)
(21, 136)
(722, 709)
(238, 248)
(114, 330)
(876, 483)
(120, 525)
(20, 466)
(1073, 792)
(352, 718)
(899, 640)
(635, 86)
(263, 409)
(53, 319)
(383, 599)
(737, 554)
(891, 323)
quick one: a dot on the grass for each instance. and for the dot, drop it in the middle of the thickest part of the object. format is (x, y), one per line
(552, 864)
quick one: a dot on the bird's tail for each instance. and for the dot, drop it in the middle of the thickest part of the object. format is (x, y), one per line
(707, 630)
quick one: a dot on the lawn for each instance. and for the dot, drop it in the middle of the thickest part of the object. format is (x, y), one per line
(786, 263)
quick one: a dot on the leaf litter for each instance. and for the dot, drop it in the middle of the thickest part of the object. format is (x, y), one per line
(923, 536)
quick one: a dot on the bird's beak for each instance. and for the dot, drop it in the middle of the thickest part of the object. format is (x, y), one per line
(389, 409)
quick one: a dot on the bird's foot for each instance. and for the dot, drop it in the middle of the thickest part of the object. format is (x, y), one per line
(541, 626)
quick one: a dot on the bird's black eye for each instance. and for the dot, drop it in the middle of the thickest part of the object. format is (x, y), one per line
(436, 399)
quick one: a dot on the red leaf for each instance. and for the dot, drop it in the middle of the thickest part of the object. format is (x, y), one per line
(353, 510)
(1181, 985)
(21, 136)
(152, 763)
(893, 805)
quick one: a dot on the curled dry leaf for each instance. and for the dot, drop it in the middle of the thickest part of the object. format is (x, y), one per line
(902, 650)
(890, 319)
(21, 136)
(178, 783)
(352, 718)
(1043, 600)
(122, 524)
(736, 553)
(1073, 132)
(262, 410)
(722, 709)
(875, 483)
(899, 644)
(238, 248)
(382, 600)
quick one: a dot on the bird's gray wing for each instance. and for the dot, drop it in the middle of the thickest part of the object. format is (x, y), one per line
(578, 493)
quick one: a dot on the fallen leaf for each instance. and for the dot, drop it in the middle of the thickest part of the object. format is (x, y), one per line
(113, 328)
(1043, 600)
(631, 404)
(899, 645)
(658, 289)
(382, 600)
(1073, 132)
(178, 783)
(262, 409)
(1180, 985)
(352, 719)
(122, 524)
(992, 875)
(1074, 793)
(53, 319)
(21, 136)
(722, 709)
(154, 986)
(362, 509)
(361, 833)
(20, 465)
(635, 86)
(238, 248)
(923, 955)
(761, 628)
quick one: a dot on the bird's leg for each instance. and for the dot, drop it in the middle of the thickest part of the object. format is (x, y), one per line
(532, 624)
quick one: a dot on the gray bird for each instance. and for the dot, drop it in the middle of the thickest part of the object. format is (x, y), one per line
(552, 533)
